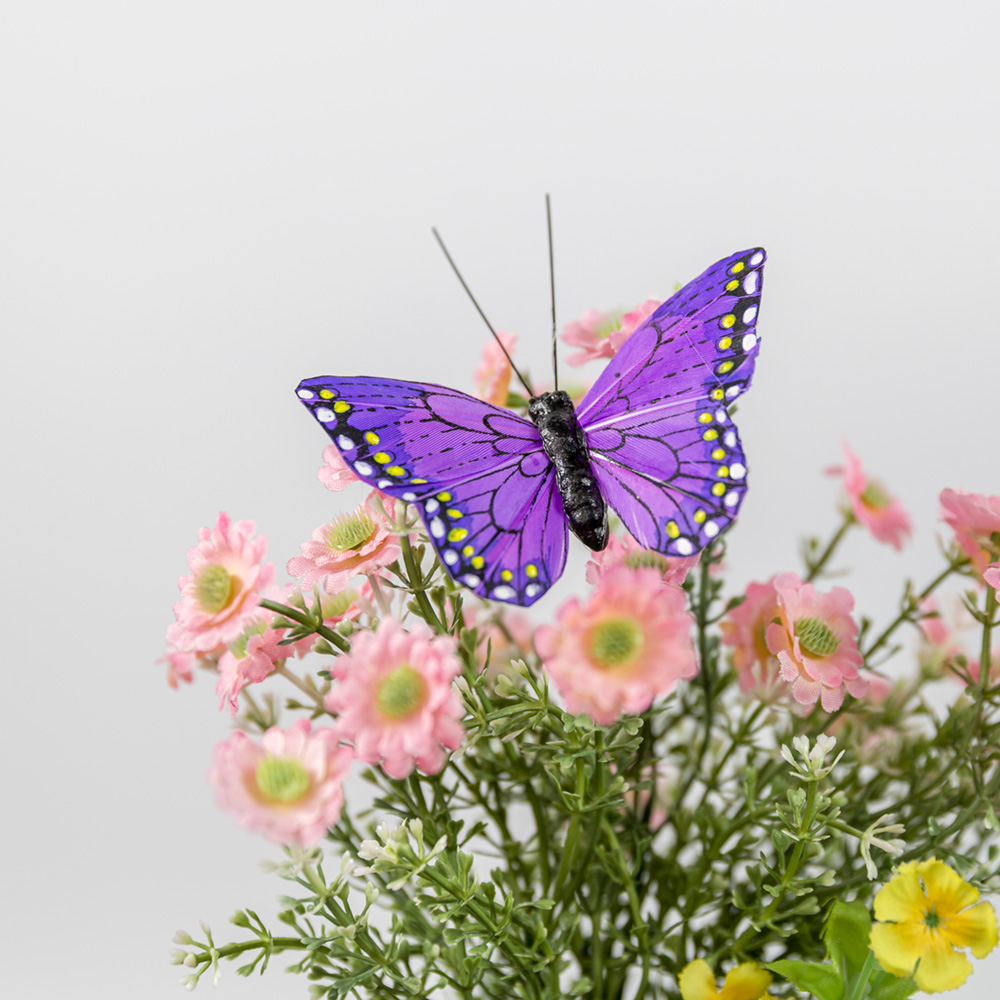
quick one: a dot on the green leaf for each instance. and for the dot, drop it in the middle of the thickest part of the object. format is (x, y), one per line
(886, 986)
(846, 935)
(819, 980)
(581, 986)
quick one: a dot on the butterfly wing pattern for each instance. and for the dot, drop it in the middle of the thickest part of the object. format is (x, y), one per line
(478, 475)
(663, 448)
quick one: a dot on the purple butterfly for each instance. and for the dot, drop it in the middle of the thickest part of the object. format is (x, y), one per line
(652, 439)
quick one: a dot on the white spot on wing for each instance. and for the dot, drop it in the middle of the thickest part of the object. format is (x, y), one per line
(410, 497)
(437, 527)
(711, 529)
(730, 439)
(749, 341)
(324, 413)
(757, 258)
(363, 469)
(750, 282)
(306, 393)
(749, 314)
(684, 546)
(504, 593)
(431, 506)
(732, 499)
(344, 443)
(383, 483)
(470, 580)
(532, 589)
(737, 471)
(450, 557)
(733, 391)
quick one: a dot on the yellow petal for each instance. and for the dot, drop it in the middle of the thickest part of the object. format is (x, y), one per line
(974, 928)
(942, 968)
(697, 982)
(746, 982)
(945, 889)
(898, 946)
(901, 898)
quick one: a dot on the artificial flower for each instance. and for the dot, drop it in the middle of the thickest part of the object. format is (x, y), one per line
(227, 575)
(250, 659)
(492, 377)
(394, 699)
(975, 520)
(350, 545)
(746, 982)
(815, 641)
(626, 645)
(601, 334)
(335, 474)
(992, 575)
(289, 787)
(883, 515)
(926, 913)
(744, 629)
(626, 551)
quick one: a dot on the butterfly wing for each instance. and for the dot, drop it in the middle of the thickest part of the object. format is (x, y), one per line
(663, 448)
(478, 475)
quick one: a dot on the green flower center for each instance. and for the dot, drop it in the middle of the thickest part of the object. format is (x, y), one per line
(615, 642)
(646, 559)
(282, 779)
(337, 604)
(215, 587)
(400, 693)
(238, 647)
(350, 531)
(612, 322)
(874, 496)
(815, 637)
(931, 919)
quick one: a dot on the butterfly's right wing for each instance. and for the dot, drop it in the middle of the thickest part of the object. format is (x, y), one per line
(663, 448)
(478, 475)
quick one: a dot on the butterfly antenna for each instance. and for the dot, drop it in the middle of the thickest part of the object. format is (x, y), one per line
(552, 282)
(458, 274)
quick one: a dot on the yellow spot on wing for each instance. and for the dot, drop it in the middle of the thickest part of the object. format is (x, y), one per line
(371, 437)
(718, 453)
(531, 570)
(704, 418)
(699, 516)
(727, 321)
(467, 551)
(672, 530)
(478, 562)
(710, 435)
(419, 481)
(326, 394)
(737, 267)
(731, 286)
(717, 394)
(382, 457)
(457, 534)
(395, 470)
(725, 343)
(718, 489)
(341, 407)
(444, 497)
(722, 471)
(452, 513)
(506, 575)
(726, 366)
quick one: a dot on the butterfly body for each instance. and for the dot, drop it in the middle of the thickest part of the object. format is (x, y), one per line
(565, 444)
(652, 439)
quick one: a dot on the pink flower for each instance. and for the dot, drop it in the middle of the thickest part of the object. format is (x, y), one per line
(992, 575)
(289, 788)
(975, 519)
(250, 659)
(601, 334)
(180, 667)
(745, 628)
(883, 515)
(227, 573)
(816, 643)
(940, 641)
(506, 638)
(335, 474)
(660, 778)
(394, 698)
(348, 546)
(626, 551)
(627, 645)
(493, 375)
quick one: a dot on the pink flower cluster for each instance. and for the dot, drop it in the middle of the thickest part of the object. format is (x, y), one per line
(627, 644)
(493, 374)
(975, 520)
(883, 515)
(601, 334)
(808, 637)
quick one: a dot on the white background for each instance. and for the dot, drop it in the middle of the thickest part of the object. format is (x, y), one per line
(202, 203)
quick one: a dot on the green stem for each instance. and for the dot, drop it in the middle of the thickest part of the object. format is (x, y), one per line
(867, 969)
(415, 581)
(303, 619)
(294, 678)
(816, 567)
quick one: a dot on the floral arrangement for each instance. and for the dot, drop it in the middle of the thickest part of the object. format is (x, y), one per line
(671, 790)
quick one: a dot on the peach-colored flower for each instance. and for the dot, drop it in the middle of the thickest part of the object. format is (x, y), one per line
(394, 699)
(289, 787)
(335, 474)
(815, 642)
(493, 375)
(976, 522)
(744, 628)
(227, 574)
(628, 644)
(626, 551)
(601, 334)
(350, 545)
(883, 515)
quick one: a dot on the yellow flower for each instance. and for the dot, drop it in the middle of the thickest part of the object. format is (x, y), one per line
(746, 982)
(933, 915)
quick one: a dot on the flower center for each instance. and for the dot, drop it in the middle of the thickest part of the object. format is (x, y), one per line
(815, 637)
(874, 496)
(931, 919)
(401, 692)
(282, 779)
(336, 605)
(238, 647)
(647, 559)
(612, 322)
(214, 588)
(615, 642)
(350, 531)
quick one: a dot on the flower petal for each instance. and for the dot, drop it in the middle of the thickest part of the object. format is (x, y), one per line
(697, 982)
(901, 898)
(942, 968)
(974, 928)
(746, 982)
(945, 889)
(898, 946)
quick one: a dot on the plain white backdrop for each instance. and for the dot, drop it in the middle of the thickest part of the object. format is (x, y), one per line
(202, 203)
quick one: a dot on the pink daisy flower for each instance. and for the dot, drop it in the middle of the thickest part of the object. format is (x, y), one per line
(227, 574)
(394, 699)
(882, 514)
(601, 334)
(350, 545)
(815, 642)
(975, 519)
(992, 576)
(335, 474)
(180, 667)
(626, 646)
(289, 787)
(626, 551)
(250, 659)
(744, 629)
(940, 641)
(493, 375)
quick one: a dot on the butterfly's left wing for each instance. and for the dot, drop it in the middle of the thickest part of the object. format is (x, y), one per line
(478, 474)
(663, 448)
